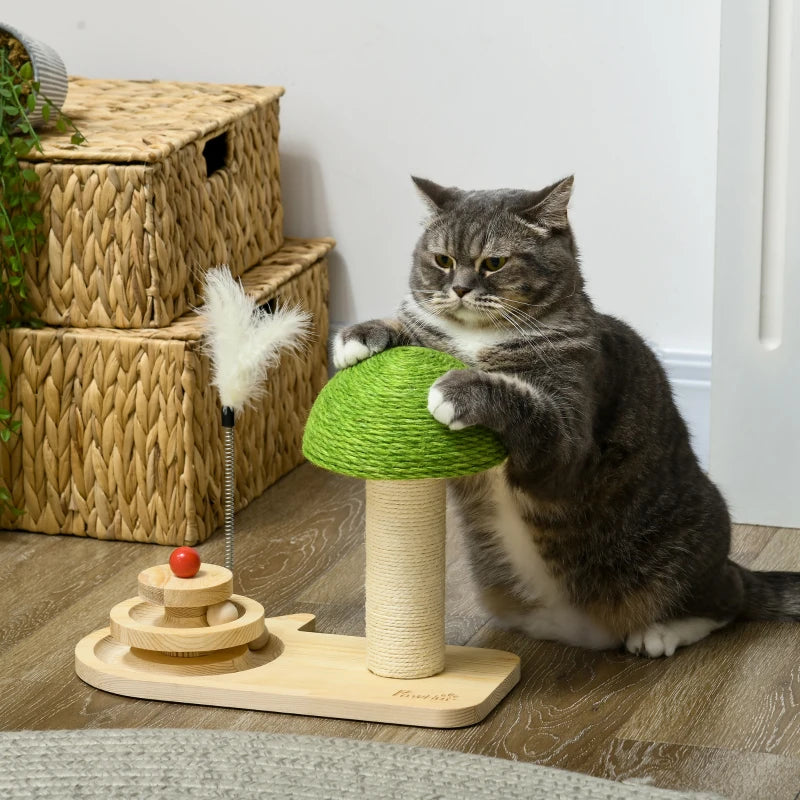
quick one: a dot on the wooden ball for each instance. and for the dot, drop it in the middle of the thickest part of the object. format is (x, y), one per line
(220, 613)
(261, 642)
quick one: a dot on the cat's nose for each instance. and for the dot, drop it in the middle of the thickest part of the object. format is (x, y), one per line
(461, 290)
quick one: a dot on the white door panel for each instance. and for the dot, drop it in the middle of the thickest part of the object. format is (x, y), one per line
(755, 388)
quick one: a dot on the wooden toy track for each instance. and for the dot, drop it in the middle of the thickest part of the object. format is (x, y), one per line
(159, 646)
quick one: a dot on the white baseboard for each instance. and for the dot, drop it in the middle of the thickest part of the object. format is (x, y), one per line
(690, 376)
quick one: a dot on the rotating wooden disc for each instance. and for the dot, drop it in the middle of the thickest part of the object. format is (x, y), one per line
(138, 623)
(160, 586)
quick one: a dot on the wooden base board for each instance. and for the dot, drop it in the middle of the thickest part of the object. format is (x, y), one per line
(302, 672)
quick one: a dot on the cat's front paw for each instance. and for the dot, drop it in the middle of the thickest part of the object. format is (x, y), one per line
(442, 410)
(359, 342)
(454, 399)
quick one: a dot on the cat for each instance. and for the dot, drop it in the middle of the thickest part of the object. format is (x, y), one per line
(600, 529)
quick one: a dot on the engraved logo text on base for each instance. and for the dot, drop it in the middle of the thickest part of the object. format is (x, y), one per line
(407, 694)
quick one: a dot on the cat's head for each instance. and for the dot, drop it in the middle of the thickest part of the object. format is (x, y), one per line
(495, 258)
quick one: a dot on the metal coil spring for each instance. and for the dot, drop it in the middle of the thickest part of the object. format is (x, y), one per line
(229, 499)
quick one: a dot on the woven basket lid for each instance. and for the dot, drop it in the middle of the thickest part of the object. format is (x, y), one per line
(372, 421)
(142, 122)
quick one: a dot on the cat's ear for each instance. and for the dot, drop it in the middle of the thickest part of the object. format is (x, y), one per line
(437, 198)
(547, 209)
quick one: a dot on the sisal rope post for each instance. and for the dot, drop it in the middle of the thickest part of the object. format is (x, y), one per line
(405, 576)
(371, 421)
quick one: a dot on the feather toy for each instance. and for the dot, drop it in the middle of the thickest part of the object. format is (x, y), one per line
(244, 343)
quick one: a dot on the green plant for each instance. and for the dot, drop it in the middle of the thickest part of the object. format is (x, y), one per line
(20, 219)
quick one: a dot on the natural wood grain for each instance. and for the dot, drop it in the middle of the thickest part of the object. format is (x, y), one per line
(782, 551)
(140, 624)
(160, 586)
(303, 672)
(740, 688)
(748, 541)
(736, 774)
(299, 549)
(293, 535)
(567, 701)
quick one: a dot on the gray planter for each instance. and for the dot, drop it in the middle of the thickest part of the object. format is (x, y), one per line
(48, 69)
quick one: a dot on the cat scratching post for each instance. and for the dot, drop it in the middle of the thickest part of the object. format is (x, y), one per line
(370, 421)
(405, 535)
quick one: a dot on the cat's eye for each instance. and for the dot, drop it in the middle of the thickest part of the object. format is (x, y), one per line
(493, 263)
(443, 261)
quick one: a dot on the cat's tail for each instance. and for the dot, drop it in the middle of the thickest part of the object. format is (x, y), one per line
(770, 595)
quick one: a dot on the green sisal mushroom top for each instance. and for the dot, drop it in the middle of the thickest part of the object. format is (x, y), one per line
(371, 421)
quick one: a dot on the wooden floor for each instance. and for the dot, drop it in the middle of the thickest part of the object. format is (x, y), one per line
(723, 715)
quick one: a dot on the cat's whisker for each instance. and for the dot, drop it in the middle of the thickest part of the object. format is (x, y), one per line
(525, 335)
(522, 303)
(512, 318)
(504, 303)
(415, 327)
(573, 334)
(514, 324)
(574, 331)
(528, 319)
(540, 330)
(523, 319)
(496, 310)
(490, 312)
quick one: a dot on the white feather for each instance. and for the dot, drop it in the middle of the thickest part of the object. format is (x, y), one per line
(245, 342)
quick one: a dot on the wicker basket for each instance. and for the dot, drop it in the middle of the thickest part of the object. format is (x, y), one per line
(174, 177)
(121, 435)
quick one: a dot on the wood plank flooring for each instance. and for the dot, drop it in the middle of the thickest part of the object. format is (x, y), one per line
(723, 715)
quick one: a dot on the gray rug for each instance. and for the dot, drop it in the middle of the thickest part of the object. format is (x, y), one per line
(147, 764)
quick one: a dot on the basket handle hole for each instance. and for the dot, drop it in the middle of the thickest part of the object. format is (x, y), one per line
(215, 153)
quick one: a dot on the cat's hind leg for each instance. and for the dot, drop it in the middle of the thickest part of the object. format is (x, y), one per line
(715, 600)
(664, 638)
(570, 626)
(559, 623)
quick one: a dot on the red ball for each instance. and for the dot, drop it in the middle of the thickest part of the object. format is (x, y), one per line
(184, 562)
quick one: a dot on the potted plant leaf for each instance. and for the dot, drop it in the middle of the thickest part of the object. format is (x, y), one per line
(33, 85)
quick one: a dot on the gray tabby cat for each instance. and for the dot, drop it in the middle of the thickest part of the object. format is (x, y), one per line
(600, 529)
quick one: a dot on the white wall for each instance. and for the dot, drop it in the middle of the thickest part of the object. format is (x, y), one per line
(518, 93)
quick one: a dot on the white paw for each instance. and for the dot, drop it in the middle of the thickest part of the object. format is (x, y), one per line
(345, 354)
(664, 638)
(656, 641)
(443, 410)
